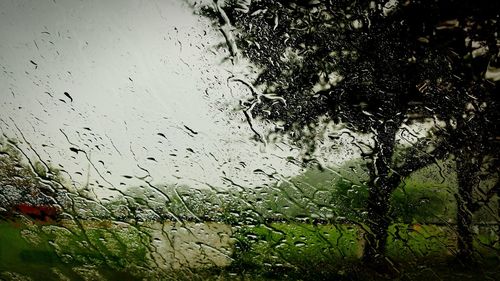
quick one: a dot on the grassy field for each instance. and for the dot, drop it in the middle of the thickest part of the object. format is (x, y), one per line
(59, 251)
(322, 249)
(118, 251)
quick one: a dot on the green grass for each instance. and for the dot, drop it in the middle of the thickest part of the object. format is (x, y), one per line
(297, 245)
(408, 243)
(329, 248)
(16, 253)
(114, 251)
(298, 251)
(49, 251)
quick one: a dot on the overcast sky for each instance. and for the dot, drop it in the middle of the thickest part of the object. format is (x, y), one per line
(147, 90)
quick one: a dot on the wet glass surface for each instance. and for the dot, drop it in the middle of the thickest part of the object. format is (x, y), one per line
(249, 140)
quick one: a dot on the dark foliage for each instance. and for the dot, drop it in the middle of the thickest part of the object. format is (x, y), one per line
(375, 66)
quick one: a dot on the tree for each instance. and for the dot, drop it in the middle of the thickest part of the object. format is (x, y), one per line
(468, 35)
(357, 63)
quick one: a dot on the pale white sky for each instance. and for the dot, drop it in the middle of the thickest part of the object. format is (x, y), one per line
(141, 74)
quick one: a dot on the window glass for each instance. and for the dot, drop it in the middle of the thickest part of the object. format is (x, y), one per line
(249, 140)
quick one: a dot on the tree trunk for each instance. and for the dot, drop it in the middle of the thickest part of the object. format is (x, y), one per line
(378, 224)
(467, 181)
(380, 191)
(498, 213)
